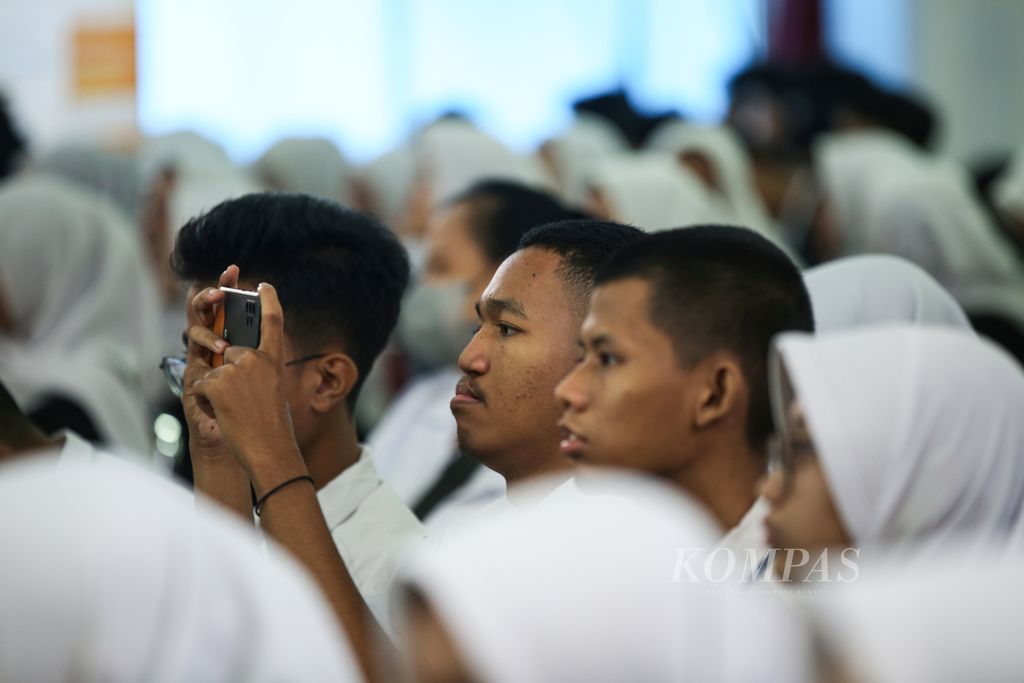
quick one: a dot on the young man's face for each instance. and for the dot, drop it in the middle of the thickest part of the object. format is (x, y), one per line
(625, 404)
(504, 406)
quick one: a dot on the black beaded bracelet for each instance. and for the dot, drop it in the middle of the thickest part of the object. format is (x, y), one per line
(268, 494)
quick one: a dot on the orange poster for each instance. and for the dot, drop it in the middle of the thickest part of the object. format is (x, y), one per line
(104, 60)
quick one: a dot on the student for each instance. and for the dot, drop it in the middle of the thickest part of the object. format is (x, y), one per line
(946, 622)
(78, 312)
(529, 317)
(414, 445)
(884, 196)
(673, 377)
(868, 290)
(313, 166)
(716, 155)
(113, 574)
(582, 589)
(650, 191)
(898, 437)
(504, 407)
(341, 276)
(19, 436)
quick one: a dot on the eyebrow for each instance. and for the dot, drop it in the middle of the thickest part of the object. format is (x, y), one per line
(602, 339)
(495, 307)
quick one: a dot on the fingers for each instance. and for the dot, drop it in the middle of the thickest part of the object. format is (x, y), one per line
(234, 354)
(203, 338)
(204, 303)
(229, 278)
(272, 325)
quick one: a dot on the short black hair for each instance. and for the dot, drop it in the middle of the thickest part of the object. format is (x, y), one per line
(719, 287)
(584, 246)
(339, 273)
(504, 211)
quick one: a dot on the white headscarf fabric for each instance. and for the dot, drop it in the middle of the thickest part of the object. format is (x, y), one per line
(859, 291)
(723, 149)
(1009, 187)
(576, 151)
(115, 176)
(389, 180)
(653, 192)
(454, 154)
(113, 574)
(204, 174)
(581, 589)
(83, 308)
(943, 623)
(918, 431)
(313, 166)
(890, 198)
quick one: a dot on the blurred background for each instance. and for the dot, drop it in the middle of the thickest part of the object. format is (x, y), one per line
(365, 73)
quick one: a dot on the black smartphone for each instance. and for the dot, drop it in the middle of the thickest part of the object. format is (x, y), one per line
(238, 320)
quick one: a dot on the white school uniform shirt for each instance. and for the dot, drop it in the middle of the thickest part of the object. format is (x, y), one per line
(372, 529)
(415, 441)
(750, 536)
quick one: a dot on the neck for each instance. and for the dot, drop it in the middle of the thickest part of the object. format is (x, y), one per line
(528, 468)
(724, 478)
(332, 449)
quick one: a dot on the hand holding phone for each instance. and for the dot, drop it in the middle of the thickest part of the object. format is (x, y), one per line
(237, 320)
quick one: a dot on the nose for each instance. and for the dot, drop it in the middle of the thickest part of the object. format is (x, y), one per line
(474, 361)
(570, 392)
(772, 487)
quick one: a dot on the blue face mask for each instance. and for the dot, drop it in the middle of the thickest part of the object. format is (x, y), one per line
(431, 327)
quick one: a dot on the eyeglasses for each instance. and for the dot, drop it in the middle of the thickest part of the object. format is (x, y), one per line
(174, 370)
(784, 457)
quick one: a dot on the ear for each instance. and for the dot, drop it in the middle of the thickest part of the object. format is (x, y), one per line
(337, 374)
(722, 390)
(701, 165)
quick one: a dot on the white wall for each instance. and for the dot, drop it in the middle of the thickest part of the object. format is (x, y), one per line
(966, 55)
(969, 55)
(36, 60)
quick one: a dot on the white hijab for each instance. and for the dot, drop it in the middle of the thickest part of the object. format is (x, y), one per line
(859, 291)
(75, 284)
(454, 154)
(1009, 187)
(723, 149)
(113, 574)
(581, 589)
(389, 180)
(890, 198)
(113, 175)
(943, 623)
(653, 192)
(314, 166)
(918, 431)
(576, 151)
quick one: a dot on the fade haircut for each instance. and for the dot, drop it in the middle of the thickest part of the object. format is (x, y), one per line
(583, 246)
(504, 211)
(718, 288)
(339, 273)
